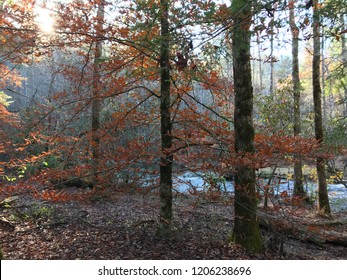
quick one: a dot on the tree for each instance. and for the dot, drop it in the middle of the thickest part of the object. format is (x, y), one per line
(344, 58)
(298, 176)
(97, 87)
(7, 120)
(272, 58)
(246, 228)
(323, 199)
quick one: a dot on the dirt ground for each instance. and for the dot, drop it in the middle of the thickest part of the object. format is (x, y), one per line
(123, 225)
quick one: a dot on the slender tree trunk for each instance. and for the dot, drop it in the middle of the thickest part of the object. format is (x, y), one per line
(323, 199)
(324, 98)
(260, 69)
(166, 126)
(344, 59)
(246, 228)
(298, 177)
(96, 104)
(272, 58)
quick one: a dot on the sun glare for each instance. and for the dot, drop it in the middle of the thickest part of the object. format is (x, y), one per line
(44, 20)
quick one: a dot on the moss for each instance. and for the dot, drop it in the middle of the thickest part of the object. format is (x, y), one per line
(250, 239)
(246, 229)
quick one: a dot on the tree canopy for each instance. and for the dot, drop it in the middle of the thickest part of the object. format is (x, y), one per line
(131, 96)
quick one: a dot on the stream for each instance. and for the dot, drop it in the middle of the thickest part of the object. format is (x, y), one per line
(200, 182)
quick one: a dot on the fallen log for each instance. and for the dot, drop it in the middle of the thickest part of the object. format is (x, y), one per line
(305, 232)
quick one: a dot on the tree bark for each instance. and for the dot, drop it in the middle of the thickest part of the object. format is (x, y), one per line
(271, 90)
(298, 177)
(344, 59)
(323, 69)
(260, 69)
(323, 199)
(246, 228)
(96, 104)
(165, 190)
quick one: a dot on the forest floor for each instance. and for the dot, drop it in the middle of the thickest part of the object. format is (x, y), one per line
(123, 226)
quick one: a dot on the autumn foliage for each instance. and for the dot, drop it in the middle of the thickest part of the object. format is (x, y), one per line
(109, 70)
(57, 141)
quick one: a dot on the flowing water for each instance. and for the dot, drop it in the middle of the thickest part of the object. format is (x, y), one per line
(189, 182)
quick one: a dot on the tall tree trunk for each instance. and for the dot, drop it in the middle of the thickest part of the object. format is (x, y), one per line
(271, 90)
(344, 59)
(298, 177)
(323, 199)
(323, 69)
(96, 104)
(165, 191)
(260, 69)
(246, 228)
